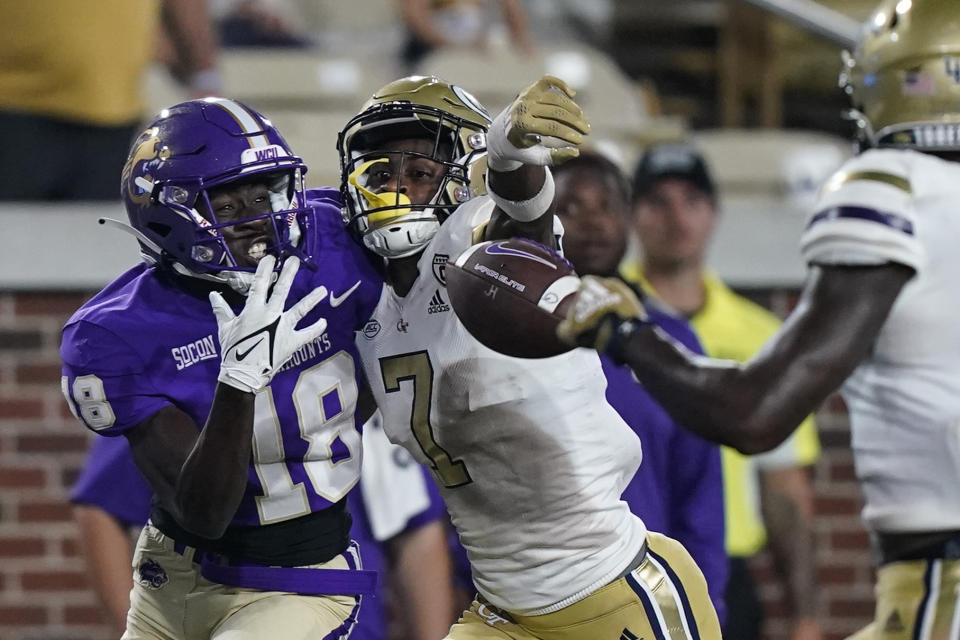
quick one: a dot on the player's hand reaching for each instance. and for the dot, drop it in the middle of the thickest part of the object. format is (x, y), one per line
(258, 341)
(601, 305)
(542, 126)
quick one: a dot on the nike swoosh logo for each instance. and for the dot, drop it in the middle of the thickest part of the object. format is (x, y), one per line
(336, 301)
(241, 356)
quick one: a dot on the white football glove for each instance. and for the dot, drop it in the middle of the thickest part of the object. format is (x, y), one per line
(543, 126)
(260, 340)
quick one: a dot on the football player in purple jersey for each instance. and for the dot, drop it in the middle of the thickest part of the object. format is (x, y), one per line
(399, 523)
(678, 489)
(244, 419)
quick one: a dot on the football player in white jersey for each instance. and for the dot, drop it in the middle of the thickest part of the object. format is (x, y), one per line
(530, 458)
(878, 315)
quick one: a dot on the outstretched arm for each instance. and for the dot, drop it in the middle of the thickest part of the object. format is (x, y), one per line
(542, 127)
(754, 406)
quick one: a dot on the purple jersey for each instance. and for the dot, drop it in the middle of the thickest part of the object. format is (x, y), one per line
(111, 481)
(395, 496)
(678, 490)
(149, 340)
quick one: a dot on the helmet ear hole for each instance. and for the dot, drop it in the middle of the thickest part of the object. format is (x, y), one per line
(161, 230)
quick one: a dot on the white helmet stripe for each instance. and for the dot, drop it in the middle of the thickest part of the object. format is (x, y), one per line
(244, 118)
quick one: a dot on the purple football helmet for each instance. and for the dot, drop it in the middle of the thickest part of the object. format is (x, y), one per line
(190, 148)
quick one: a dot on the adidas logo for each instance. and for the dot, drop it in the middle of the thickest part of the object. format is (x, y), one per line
(893, 624)
(626, 634)
(437, 304)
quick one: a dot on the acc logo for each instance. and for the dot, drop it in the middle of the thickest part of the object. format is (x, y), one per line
(371, 329)
(152, 575)
(440, 261)
(143, 157)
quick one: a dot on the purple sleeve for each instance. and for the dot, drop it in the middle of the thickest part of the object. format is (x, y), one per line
(696, 516)
(696, 509)
(678, 489)
(110, 480)
(105, 380)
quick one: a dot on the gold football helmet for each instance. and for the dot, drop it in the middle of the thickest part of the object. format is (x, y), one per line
(416, 107)
(904, 77)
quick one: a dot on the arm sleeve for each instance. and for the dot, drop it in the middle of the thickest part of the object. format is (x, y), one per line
(111, 481)
(398, 492)
(104, 381)
(865, 215)
(696, 489)
(696, 509)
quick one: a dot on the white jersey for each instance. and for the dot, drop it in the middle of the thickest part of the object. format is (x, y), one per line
(530, 459)
(394, 486)
(904, 400)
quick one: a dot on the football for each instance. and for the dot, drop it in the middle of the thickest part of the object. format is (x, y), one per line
(511, 295)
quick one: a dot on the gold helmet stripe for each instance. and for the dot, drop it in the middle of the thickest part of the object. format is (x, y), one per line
(890, 179)
(243, 118)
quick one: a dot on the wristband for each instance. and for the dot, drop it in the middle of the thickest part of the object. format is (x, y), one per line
(526, 210)
(623, 332)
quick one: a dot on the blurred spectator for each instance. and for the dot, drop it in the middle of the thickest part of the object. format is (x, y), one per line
(674, 217)
(399, 522)
(678, 490)
(70, 100)
(257, 23)
(435, 24)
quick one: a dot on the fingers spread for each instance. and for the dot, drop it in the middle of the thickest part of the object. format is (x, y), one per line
(261, 280)
(221, 309)
(280, 291)
(305, 305)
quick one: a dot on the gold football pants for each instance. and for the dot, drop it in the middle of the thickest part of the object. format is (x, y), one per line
(917, 599)
(664, 598)
(170, 600)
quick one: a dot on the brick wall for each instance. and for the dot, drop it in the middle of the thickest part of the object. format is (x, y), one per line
(44, 592)
(44, 588)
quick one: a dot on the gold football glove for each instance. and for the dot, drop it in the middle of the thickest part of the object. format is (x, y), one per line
(542, 126)
(601, 305)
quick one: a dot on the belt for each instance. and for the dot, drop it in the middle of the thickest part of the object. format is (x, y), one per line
(301, 580)
(928, 545)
